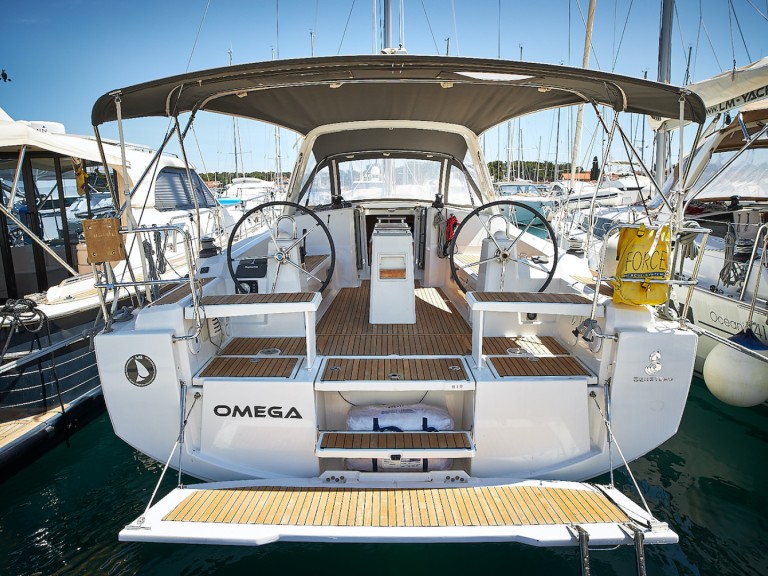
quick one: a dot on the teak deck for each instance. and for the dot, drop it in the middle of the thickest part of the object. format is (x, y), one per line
(379, 369)
(264, 367)
(360, 351)
(398, 507)
(348, 315)
(507, 366)
(395, 440)
(533, 297)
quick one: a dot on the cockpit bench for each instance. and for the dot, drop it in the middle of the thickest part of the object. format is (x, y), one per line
(234, 305)
(523, 303)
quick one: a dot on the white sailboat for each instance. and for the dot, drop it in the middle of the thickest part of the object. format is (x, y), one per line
(349, 374)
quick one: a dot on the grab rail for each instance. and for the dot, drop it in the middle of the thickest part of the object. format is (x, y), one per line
(762, 230)
(587, 327)
(105, 286)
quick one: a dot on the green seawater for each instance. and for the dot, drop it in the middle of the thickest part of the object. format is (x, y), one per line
(61, 515)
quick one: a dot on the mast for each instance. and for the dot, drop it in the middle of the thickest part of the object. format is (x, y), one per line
(584, 64)
(509, 148)
(235, 129)
(557, 145)
(387, 25)
(665, 56)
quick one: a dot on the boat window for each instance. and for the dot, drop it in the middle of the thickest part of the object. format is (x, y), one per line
(389, 178)
(459, 191)
(47, 203)
(319, 192)
(514, 189)
(172, 191)
(744, 178)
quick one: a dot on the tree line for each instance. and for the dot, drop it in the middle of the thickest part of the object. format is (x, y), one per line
(528, 170)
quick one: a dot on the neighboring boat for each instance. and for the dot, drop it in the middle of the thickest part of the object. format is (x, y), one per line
(529, 194)
(53, 183)
(248, 192)
(730, 302)
(356, 374)
(578, 194)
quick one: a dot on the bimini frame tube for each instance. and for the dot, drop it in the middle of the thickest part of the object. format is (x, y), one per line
(192, 189)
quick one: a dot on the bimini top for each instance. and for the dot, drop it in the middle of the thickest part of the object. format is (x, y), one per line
(303, 94)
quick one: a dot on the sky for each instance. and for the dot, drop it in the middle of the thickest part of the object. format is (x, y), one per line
(61, 55)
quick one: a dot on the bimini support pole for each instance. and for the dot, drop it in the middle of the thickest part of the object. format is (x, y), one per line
(592, 201)
(130, 219)
(192, 188)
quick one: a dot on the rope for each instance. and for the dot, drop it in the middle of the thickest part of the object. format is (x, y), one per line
(624, 460)
(688, 248)
(168, 462)
(439, 223)
(730, 273)
(23, 314)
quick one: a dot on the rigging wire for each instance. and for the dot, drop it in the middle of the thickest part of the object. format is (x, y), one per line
(197, 37)
(679, 29)
(455, 30)
(763, 16)
(349, 17)
(709, 39)
(730, 32)
(741, 33)
(621, 39)
(698, 39)
(429, 24)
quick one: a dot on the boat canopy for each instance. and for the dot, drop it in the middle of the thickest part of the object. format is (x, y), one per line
(303, 94)
(14, 135)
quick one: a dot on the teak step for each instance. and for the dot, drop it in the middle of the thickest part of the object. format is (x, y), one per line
(314, 261)
(263, 367)
(529, 366)
(231, 305)
(442, 444)
(394, 373)
(523, 345)
(530, 302)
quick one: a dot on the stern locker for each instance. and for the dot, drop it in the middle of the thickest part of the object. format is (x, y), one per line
(394, 419)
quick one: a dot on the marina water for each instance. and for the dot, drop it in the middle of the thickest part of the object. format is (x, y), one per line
(61, 515)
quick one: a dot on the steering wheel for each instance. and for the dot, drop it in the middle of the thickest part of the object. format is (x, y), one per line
(522, 218)
(265, 213)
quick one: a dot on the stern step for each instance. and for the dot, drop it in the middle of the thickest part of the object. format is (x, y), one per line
(343, 444)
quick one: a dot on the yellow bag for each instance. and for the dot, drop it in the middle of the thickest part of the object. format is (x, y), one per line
(642, 254)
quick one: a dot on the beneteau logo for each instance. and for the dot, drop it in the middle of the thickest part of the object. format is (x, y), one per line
(255, 412)
(655, 364)
(653, 368)
(140, 370)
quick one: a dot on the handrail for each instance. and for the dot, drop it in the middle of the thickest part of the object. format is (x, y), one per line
(42, 353)
(761, 230)
(587, 328)
(191, 277)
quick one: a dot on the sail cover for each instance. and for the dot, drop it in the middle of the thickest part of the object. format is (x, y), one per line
(302, 94)
(726, 91)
